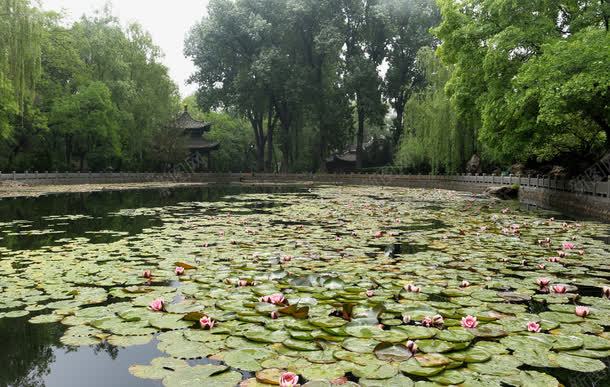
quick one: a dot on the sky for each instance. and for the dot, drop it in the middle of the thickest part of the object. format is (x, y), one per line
(167, 21)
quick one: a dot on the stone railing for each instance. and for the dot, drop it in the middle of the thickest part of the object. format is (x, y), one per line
(576, 186)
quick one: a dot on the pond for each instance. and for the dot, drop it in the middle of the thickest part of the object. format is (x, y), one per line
(347, 285)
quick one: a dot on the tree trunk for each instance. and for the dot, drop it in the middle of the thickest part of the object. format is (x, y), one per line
(360, 139)
(271, 120)
(399, 107)
(259, 137)
(260, 158)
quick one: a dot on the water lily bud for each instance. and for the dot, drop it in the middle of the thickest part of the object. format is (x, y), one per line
(412, 288)
(411, 346)
(157, 305)
(582, 311)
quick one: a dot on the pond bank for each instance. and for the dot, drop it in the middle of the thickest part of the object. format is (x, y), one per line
(587, 200)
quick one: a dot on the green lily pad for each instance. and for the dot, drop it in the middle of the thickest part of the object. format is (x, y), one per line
(247, 359)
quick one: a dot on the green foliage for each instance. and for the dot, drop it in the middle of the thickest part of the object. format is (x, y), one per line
(434, 140)
(532, 74)
(408, 23)
(92, 95)
(561, 99)
(236, 153)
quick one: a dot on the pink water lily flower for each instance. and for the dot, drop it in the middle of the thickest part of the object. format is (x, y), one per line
(179, 270)
(533, 326)
(288, 379)
(286, 258)
(464, 284)
(427, 321)
(545, 241)
(543, 282)
(370, 293)
(469, 322)
(568, 245)
(541, 266)
(412, 347)
(147, 274)
(562, 254)
(274, 315)
(606, 291)
(560, 289)
(276, 299)
(378, 234)
(554, 259)
(242, 283)
(412, 288)
(582, 311)
(206, 322)
(157, 305)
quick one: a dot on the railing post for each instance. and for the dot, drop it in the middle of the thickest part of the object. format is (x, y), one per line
(14, 175)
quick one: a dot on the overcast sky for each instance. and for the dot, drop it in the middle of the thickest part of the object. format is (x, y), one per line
(167, 21)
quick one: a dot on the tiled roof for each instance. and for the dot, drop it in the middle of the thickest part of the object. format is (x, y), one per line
(186, 122)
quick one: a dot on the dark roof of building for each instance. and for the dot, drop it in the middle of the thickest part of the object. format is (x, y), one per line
(186, 122)
(201, 144)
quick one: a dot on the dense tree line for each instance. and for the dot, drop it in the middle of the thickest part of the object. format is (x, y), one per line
(308, 74)
(286, 83)
(93, 95)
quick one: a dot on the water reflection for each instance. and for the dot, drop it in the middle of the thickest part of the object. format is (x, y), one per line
(48, 220)
(32, 356)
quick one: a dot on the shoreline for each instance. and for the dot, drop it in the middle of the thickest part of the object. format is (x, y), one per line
(23, 190)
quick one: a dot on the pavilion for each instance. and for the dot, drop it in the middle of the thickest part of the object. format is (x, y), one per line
(193, 132)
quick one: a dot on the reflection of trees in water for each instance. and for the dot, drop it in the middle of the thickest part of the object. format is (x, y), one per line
(27, 351)
(112, 351)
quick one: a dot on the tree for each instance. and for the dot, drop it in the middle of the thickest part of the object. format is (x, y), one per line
(365, 46)
(559, 103)
(89, 125)
(318, 26)
(509, 72)
(44, 67)
(434, 139)
(408, 24)
(225, 46)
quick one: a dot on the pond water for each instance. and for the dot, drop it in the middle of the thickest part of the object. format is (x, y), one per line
(362, 271)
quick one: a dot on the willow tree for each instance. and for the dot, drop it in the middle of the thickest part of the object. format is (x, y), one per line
(534, 73)
(20, 48)
(434, 139)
